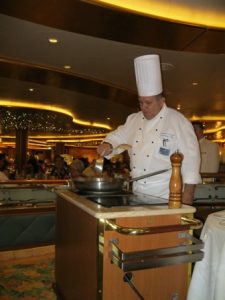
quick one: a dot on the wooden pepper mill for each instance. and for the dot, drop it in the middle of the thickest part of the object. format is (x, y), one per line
(175, 185)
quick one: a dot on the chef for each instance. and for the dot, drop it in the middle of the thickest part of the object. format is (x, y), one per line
(153, 134)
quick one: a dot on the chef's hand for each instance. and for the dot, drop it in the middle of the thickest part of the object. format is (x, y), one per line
(188, 194)
(104, 149)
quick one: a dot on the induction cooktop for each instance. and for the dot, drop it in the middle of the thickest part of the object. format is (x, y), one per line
(125, 199)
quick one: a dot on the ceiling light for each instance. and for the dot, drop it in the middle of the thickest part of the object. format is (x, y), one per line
(53, 40)
(218, 124)
(55, 109)
(71, 141)
(194, 83)
(67, 67)
(31, 89)
(210, 15)
(178, 106)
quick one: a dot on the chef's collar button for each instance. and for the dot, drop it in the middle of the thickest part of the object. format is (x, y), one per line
(134, 153)
(144, 169)
(134, 167)
(136, 141)
(152, 142)
(147, 155)
(156, 129)
(161, 117)
(145, 182)
(140, 128)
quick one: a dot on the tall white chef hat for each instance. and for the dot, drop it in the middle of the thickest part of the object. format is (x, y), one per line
(148, 75)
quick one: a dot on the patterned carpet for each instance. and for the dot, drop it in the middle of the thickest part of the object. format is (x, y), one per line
(28, 280)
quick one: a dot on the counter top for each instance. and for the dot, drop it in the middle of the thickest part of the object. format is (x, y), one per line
(101, 212)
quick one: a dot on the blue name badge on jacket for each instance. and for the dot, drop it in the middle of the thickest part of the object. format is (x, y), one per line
(164, 151)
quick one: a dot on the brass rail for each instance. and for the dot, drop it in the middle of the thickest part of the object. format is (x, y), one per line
(35, 181)
(186, 224)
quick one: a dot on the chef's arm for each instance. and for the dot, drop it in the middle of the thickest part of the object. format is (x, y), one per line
(188, 194)
(104, 149)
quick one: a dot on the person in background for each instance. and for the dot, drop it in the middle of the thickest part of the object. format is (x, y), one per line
(31, 168)
(76, 168)
(3, 167)
(210, 157)
(60, 169)
(154, 134)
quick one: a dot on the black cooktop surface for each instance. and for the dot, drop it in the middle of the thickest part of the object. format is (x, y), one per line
(125, 199)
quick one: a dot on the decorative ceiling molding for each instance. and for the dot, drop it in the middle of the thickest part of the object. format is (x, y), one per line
(201, 13)
(122, 26)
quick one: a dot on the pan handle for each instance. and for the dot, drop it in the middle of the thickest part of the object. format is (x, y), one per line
(148, 175)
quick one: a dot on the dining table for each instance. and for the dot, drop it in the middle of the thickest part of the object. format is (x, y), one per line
(208, 277)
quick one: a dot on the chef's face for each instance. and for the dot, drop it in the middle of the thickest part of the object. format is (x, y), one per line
(151, 105)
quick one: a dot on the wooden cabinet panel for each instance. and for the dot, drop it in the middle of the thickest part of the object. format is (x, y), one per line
(76, 253)
(162, 283)
(83, 264)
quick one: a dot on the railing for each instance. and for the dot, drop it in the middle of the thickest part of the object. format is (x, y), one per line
(35, 182)
(214, 177)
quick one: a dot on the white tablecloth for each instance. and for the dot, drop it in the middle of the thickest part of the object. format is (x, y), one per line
(208, 279)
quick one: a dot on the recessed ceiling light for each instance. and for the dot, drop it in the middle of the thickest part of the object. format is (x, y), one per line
(178, 106)
(53, 40)
(108, 118)
(67, 67)
(194, 83)
(31, 89)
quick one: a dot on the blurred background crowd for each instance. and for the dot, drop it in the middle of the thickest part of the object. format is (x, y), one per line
(61, 167)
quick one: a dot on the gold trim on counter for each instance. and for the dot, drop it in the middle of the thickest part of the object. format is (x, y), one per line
(186, 224)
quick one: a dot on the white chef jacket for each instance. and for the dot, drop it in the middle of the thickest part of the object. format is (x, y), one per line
(152, 143)
(210, 158)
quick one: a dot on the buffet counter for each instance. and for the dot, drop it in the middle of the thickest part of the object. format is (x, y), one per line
(124, 252)
(99, 211)
(27, 213)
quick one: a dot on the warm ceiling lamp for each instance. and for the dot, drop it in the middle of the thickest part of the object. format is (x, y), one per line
(178, 107)
(12, 103)
(208, 118)
(53, 40)
(67, 67)
(204, 13)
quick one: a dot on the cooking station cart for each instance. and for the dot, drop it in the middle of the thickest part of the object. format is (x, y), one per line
(131, 251)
